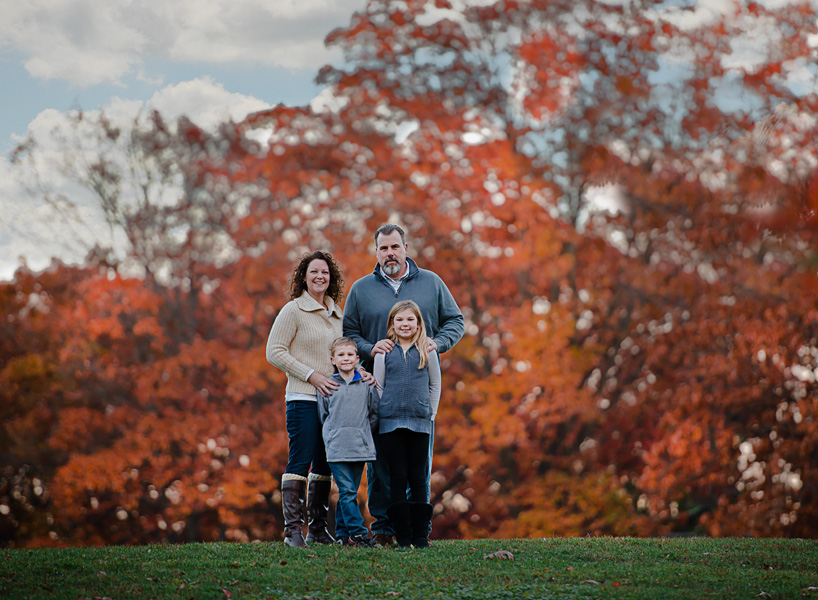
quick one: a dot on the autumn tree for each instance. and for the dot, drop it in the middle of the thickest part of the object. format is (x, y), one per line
(639, 365)
(155, 372)
(519, 111)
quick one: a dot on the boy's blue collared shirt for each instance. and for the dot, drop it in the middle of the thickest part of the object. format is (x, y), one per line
(355, 377)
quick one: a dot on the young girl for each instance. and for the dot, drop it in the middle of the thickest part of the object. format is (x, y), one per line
(408, 379)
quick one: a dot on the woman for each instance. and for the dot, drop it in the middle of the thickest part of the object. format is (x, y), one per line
(299, 344)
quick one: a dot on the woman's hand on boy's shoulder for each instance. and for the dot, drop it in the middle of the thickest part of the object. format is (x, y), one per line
(322, 383)
(367, 376)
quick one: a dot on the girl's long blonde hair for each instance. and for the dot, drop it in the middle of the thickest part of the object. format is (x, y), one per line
(419, 340)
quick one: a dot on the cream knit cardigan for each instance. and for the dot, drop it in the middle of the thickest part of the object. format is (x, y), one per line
(300, 338)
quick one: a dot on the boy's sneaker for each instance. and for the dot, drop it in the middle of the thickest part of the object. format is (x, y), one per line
(343, 541)
(363, 541)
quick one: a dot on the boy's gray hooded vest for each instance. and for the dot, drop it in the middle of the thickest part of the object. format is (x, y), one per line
(349, 415)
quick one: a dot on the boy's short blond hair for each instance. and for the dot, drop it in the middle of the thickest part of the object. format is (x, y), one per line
(342, 341)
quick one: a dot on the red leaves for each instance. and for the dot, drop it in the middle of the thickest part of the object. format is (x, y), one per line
(812, 200)
(554, 62)
(615, 370)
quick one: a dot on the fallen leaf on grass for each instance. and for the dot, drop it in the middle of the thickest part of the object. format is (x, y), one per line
(594, 581)
(501, 554)
(227, 594)
(283, 562)
(763, 595)
(392, 594)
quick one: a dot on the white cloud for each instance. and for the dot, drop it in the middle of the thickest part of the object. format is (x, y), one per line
(30, 227)
(33, 232)
(701, 14)
(327, 101)
(83, 41)
(204, 102)
(802, 77)
(88, 42)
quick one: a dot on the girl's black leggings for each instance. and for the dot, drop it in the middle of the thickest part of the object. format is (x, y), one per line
(406, 454)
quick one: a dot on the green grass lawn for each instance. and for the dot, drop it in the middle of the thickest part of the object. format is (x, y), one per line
(549, 568)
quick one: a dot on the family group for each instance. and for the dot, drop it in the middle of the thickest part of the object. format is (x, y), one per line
(363, 388)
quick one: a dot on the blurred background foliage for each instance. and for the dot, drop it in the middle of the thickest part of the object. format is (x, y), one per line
(620, 196)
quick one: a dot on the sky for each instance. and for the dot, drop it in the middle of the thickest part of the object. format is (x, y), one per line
(208, 59)
(211, 60)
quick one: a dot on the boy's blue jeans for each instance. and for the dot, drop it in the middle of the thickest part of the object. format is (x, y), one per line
(348, 519)
(378, 496)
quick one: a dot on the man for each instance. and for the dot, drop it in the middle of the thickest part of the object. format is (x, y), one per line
(396, 277)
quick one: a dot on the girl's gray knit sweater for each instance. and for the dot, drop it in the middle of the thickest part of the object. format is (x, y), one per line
(409, 396)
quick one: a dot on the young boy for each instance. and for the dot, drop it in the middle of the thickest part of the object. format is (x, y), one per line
(349, 415)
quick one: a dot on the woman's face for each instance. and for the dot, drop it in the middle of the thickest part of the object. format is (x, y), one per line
(405, 324)
(318, 277)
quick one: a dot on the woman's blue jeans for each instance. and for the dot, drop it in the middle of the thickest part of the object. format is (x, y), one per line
(306, 442)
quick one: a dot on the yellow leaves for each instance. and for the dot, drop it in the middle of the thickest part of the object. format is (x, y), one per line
(624, 85)
(24, 372)
(558, 504)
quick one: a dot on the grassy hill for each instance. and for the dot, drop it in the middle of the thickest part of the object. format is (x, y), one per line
(576, 568)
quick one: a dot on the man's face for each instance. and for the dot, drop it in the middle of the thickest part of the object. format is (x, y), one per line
(391, 254)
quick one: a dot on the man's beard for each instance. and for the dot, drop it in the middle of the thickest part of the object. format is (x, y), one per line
(392, 268)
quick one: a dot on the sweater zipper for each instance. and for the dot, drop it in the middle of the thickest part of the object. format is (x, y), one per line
(397, 291)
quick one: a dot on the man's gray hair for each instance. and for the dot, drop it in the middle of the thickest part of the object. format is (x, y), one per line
(387, 229)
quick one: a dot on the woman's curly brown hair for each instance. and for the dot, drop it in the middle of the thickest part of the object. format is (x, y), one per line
(298, 280)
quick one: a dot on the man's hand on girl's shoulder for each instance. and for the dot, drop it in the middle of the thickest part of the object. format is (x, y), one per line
(382, 347)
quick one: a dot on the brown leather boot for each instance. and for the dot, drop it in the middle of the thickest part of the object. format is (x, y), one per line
(317, 509)
(292, 503)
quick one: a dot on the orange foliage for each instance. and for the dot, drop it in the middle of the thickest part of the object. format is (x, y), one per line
(647, 370)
